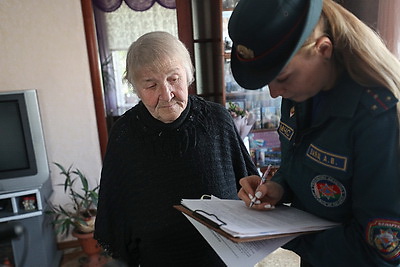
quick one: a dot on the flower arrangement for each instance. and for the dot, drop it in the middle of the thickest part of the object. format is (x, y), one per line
(243, 119)
(236, 111)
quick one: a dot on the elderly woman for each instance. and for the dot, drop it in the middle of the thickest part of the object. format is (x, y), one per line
(168, 147)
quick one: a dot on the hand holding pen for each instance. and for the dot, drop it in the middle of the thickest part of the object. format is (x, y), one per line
(263, 181)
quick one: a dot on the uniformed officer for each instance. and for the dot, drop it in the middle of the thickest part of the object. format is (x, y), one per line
(339, 128)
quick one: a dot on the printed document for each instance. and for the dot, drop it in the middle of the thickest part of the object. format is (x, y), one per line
(239, 254)
(234, 218)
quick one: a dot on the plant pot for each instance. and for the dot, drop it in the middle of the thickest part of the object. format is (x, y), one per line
(89, 227)
(91, 248)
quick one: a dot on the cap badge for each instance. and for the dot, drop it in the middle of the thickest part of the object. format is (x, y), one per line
(244, 52)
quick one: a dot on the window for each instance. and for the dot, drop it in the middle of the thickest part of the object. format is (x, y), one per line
(122, 27)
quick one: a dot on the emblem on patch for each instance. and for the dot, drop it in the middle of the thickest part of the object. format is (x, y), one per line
(384, 235)
(245, 52)
(326, 158)
(286, 131)
(328, 191)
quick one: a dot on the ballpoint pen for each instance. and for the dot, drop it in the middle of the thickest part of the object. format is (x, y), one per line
(263, 180)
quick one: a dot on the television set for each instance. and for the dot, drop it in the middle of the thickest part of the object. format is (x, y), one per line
(23, 157)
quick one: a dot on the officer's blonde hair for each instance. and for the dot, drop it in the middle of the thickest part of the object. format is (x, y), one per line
(358, 49)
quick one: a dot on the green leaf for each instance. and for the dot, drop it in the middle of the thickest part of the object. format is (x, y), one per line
(83, 201)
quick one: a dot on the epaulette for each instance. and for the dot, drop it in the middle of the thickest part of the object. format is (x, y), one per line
(378, 100)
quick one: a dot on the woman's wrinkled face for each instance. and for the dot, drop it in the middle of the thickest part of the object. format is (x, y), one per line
(306, 74)
(164, 93)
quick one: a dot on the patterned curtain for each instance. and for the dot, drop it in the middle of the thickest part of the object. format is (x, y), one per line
(124, 25)
(117, 26)
(137, 5)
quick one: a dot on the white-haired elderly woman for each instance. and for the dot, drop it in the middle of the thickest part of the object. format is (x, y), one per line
(170, 146)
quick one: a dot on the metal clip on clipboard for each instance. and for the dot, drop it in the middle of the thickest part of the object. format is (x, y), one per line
(197, 213)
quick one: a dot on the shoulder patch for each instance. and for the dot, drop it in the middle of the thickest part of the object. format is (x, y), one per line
(328, 191)
(383, 235)
(378, 100)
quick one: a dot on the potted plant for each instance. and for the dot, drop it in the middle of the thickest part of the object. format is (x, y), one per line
(78, 215)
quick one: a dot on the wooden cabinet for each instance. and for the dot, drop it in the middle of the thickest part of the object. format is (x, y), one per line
(263, 139)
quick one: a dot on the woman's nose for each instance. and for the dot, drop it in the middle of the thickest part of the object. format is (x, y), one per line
(275, 90)
(166, 93)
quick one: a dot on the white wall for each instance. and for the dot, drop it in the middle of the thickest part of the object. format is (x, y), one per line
(43, 47)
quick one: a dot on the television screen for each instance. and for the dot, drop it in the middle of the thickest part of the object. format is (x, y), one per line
(17, 157)
(23, 158)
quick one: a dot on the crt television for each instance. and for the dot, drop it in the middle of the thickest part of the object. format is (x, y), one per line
(23, 158)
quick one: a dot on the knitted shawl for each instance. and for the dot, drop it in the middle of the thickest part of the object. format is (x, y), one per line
(150, 166)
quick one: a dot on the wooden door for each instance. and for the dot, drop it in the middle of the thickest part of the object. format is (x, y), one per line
(200, 28)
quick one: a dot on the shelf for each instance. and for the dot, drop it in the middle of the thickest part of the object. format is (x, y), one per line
(247, 93)
(20, 205)
(264, 130)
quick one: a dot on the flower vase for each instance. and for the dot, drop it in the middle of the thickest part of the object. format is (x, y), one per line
(243, 125)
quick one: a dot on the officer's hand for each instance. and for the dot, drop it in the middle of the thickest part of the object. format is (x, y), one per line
(267, 194)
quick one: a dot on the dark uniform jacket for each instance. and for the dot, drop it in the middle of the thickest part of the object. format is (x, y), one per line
(340, 161)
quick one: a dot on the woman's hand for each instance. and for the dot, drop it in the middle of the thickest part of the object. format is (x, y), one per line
(267, 194)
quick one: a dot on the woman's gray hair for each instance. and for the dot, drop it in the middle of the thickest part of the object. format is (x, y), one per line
(154, 49)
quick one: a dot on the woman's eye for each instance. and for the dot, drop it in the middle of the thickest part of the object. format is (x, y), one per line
(282, 79)
(174, 79)
(150, 86)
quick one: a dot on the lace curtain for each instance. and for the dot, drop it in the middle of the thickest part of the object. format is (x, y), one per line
(115, 33)
(137, 5)
(125, 25)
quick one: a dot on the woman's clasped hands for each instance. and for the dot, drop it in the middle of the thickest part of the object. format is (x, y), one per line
(267, 194)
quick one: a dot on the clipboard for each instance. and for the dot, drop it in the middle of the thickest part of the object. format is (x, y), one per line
(216, 227)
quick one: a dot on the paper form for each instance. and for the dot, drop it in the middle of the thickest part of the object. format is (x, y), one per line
(240, 221)
(239, 254)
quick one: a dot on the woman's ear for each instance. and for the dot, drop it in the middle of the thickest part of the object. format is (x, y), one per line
(324, 47)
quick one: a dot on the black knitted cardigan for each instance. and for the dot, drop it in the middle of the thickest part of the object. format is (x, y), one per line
(150, 166)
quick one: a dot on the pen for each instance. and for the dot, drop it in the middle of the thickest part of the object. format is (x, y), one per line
(263, 180)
